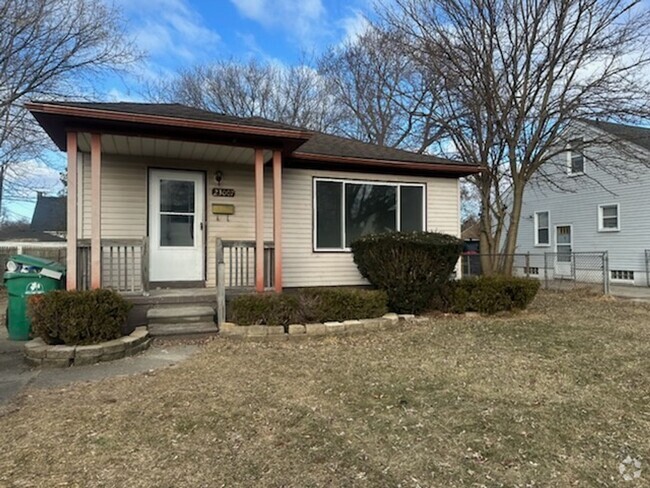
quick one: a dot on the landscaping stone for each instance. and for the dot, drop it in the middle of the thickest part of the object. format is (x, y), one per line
(273, 330)
(296, 329)
(60, 352)
(36, 349)
(37, 353)
(227, 327)
(372, 324)
(354, 326)
(315, 329)
(113, 347)
(391, 316)
(257, 330)
(89, 352)
(335, 327)
(405, 317)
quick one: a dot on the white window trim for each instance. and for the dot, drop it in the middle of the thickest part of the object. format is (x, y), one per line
(600, 218)
(398, 223)
(569, 164)
(536, 226)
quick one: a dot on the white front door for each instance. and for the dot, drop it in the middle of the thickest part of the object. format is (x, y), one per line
(176, 212)
(563, 251)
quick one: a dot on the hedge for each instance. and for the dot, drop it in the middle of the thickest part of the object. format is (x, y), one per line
(307, 306)
(78, 317)
(412, 267)
(491, 294)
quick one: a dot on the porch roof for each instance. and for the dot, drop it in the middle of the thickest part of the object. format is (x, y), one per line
(301, 147)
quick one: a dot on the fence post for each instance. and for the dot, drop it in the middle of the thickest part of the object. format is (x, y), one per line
(144, 265)
(221, 284)
(606, 273)
(528, 264)
(546, 271)
(647, 268)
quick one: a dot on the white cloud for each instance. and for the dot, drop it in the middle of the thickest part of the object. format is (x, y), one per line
(354, 26)
(170, 31)
(305, 18)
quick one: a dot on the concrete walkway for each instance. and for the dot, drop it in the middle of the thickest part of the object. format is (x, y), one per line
(15, 375)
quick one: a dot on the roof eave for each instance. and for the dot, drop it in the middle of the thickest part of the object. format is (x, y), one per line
(114, 115)
(433, 167)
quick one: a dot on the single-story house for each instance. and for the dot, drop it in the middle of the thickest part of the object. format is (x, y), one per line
(157, 191)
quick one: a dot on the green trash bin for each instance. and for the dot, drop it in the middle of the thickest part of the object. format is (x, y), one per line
(27, 276)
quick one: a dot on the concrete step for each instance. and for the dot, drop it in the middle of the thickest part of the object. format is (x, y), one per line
(180, 314)
(184, 329)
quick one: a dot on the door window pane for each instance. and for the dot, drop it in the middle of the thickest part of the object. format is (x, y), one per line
(369, 209)
(177, 196)
(329, 231)
(411, 208)
(177, 230)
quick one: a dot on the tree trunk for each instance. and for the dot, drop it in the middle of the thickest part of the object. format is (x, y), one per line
(510, 244)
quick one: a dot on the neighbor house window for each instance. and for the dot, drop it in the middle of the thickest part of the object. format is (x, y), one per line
(576, 158)
(622, 275)
(608, 218)
(346, 210)
(542, 226)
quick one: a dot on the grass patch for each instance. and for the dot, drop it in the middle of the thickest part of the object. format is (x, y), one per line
(555, 396)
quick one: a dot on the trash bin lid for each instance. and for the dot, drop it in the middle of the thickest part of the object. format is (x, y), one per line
(27, 260)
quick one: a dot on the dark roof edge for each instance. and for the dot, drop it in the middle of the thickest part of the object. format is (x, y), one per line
(69, 110)
(434, 167)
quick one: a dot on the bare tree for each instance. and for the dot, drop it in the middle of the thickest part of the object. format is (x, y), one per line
(295, 95)
(516, 74)
(385, 98)
(50, 48)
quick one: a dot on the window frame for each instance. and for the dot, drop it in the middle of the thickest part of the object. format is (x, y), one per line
(622, 280)
(601, 227)
(398, 207)
(569, 161)
(536, 228)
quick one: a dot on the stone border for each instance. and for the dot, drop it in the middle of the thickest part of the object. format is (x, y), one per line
(295, 332)
(37, 353)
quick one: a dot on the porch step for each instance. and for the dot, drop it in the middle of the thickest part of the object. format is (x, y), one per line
(182, 329)
(177, 314)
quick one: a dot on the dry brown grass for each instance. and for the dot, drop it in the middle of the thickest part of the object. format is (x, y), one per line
(556, 396)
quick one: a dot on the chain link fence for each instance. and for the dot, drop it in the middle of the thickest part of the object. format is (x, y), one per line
(558, 271)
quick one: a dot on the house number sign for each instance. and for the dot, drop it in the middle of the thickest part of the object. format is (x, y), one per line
(223, 192)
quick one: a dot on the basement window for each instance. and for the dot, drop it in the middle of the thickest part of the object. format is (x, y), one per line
(622, 275)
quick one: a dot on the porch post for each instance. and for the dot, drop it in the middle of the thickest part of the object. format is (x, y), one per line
(259, 220)
(277, 219)
(95, 216)
(71, 231)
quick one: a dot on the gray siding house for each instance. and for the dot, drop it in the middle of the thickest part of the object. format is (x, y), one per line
(593, 197)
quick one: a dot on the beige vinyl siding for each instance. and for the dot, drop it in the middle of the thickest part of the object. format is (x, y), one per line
(304, 267)
(124, 212)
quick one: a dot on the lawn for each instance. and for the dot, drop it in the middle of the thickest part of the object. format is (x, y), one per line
(556, 396)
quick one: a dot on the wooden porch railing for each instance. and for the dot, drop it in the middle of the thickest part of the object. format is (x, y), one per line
(125, 264)
(239, 260)
(236, 269)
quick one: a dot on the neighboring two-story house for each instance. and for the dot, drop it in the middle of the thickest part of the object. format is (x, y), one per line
(593, 197)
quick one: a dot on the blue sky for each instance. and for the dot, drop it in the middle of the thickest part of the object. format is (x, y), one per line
(177, 33)
(182, 33)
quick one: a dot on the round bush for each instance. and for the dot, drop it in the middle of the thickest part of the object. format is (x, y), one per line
(78, 317)
(412, 267)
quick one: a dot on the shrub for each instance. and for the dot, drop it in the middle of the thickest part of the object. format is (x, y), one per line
(412, 267)
(492, 294)
(263, 309)
(342, 304)
(78, 317)
(308, 305)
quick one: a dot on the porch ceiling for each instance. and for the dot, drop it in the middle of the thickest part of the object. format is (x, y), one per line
(137, 146)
